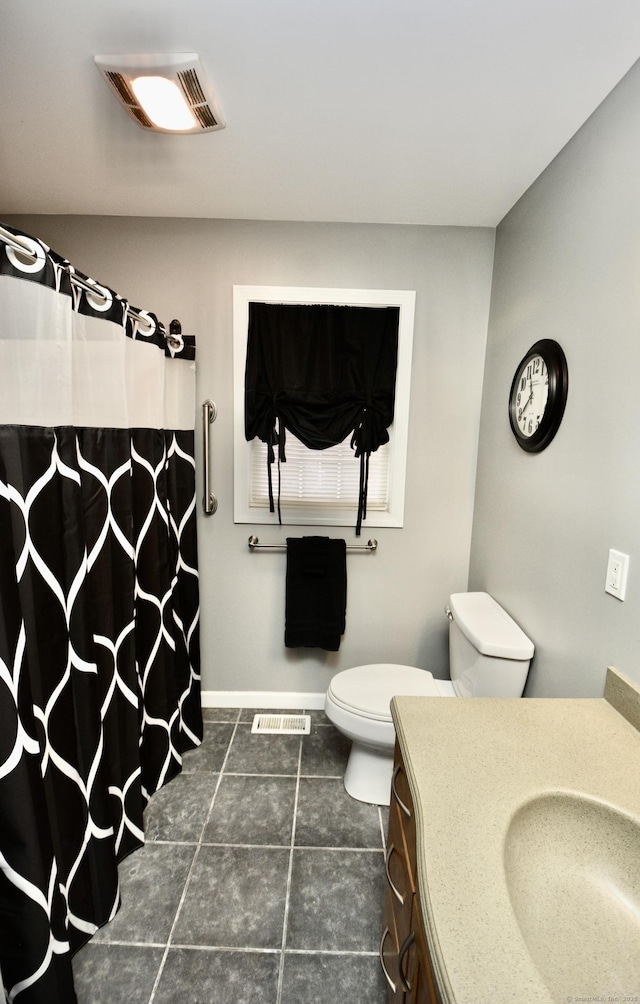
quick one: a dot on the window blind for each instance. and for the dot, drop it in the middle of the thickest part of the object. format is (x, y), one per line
(320, 478)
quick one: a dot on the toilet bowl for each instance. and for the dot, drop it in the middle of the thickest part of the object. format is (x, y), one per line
(358, 703)
(489, 657)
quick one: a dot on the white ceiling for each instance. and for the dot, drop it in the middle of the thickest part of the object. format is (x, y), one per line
(395, 111)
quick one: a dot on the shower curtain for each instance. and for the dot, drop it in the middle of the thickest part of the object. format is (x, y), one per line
(99, 643)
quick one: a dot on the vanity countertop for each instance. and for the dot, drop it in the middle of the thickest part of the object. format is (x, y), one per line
(471, 764)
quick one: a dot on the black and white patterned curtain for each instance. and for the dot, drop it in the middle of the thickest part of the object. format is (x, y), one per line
(99, 643)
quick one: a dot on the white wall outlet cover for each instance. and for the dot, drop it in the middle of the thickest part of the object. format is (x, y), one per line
(617, 574)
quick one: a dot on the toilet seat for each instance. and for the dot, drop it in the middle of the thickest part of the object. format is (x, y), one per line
(367, 690)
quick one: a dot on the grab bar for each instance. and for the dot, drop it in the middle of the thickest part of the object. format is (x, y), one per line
(209, 501)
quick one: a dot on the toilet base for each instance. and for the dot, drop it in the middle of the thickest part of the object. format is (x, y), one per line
(368, 775)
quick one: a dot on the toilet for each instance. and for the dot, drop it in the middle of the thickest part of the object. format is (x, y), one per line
(489, 656)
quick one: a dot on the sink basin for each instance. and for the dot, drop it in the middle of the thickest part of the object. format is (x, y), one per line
(572, 866)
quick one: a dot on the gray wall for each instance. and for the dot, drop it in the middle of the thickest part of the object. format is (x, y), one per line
(567, 266)
(186, 269)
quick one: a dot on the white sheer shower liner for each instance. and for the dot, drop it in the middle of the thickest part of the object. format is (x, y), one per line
(59, 367)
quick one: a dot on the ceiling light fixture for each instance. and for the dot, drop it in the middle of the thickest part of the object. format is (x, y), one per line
(164, 93)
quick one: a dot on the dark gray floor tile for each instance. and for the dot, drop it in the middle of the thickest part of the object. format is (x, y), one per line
(210, 977)
(262, 754)
(235, 898)
(179, 810)
(151, 883)
(324, 979)
(209, 756)
(124, 973)
(328, 817)
(325, 751)
(318, 718)
(252, 810)
(220, 714)
(336, 900)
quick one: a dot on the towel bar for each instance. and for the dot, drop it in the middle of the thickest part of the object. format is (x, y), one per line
(254, 543)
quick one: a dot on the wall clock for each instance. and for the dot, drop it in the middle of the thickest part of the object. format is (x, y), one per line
(538, 395)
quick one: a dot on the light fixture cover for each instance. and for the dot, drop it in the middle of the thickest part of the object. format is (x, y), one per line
(184, 69)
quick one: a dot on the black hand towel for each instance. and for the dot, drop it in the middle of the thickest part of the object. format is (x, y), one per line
(316, 592)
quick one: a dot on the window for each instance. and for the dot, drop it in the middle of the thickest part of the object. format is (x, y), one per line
(321, 487)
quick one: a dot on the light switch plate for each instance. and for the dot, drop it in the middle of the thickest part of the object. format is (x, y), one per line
(617, 574)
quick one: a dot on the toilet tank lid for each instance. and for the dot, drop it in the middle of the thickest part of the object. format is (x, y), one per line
(489, 627)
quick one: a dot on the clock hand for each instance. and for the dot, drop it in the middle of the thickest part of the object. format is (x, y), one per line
(528, 402)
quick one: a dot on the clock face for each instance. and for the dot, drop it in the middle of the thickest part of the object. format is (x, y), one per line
(531, 395)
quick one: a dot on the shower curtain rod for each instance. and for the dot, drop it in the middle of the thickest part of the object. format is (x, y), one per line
(371, 545)
(19, 245)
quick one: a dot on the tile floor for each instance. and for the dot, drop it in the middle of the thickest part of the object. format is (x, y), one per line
(261, 881)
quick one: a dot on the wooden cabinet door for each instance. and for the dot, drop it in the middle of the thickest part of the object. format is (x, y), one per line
(403, 950)
(399, 878)
(398, 899)
(401, 798)
(420, 970)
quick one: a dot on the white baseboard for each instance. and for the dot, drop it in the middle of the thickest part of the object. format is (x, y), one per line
(268, 699)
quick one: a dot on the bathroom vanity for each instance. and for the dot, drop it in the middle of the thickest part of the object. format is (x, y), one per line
(513, 851)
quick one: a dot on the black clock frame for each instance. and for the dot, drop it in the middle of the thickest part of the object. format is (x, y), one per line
(556, 363)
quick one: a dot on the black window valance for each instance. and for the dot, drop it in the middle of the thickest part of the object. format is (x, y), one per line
(323, 372)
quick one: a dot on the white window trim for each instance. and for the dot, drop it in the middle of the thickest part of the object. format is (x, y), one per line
(398, 431)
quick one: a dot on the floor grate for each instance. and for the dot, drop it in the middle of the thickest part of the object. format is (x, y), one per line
(282, 725)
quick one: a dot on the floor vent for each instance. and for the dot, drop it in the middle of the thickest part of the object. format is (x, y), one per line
(282, 725)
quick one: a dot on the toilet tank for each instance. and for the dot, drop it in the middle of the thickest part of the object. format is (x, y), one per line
(489, 655)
